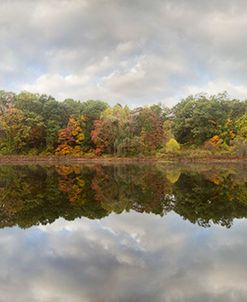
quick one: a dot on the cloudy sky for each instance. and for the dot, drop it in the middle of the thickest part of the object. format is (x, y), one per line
(130, 51)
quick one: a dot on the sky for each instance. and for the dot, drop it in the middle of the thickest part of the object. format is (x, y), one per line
(135, 52)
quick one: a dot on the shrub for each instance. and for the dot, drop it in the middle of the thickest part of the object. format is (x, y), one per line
(213, 144)
(172, 145)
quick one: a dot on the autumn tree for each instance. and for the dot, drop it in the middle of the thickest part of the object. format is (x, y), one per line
(91, 110)
(70, 139)
(152, 130)
(149, 127)
(109, 130)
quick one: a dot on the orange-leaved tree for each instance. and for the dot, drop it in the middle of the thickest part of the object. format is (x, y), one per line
(70, 139)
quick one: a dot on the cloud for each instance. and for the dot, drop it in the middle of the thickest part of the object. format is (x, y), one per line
(134, 52)
(219, 86)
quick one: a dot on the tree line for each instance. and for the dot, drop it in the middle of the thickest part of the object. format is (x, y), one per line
(39, 124)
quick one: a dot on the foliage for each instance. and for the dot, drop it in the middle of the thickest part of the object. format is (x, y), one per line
(20, 131)
(70, 138)
(241, 126)
(240, 142)
(240, 146)
(125, 132)
(197, 119)
(213, 144)
(7, 100)
(31, 123)
(172, 145)
(151, 129)
(91, 110)
(110, 129)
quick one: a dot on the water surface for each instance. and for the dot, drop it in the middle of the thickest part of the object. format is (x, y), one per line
(146, 232)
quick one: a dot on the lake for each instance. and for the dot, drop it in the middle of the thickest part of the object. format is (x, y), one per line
(123, 233)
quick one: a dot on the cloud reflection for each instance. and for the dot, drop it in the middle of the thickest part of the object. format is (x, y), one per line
(128, 257)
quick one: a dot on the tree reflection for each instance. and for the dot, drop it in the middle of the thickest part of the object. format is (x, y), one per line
(202, 200)
(30, 195)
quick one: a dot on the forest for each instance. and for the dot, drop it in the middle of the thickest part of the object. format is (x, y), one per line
(33, 124)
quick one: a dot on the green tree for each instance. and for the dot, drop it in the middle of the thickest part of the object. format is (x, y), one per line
(197, 119)
(240, 141)
(20, 131)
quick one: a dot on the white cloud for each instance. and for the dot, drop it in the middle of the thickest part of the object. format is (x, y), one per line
(136, 52)
(234, 90)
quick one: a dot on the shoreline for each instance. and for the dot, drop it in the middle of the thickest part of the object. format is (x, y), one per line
(53, 159)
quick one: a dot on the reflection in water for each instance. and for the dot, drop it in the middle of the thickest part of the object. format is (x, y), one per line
(131, 244)
(128, 257)
(34, 195)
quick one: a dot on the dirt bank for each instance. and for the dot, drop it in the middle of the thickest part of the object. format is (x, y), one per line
(38, 159)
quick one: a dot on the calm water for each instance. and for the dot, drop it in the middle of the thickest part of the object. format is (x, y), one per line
(123, 233)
